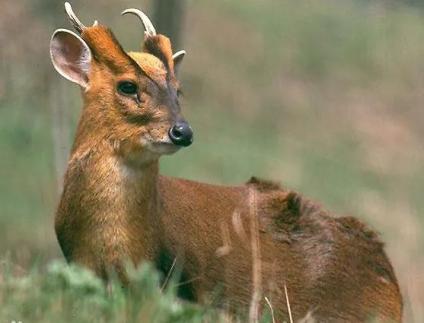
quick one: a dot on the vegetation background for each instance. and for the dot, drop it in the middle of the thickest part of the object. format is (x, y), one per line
(325, 96)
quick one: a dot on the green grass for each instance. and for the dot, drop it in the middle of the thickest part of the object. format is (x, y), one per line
(68, 293)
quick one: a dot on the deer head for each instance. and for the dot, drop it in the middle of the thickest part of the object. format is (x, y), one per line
(130, 99)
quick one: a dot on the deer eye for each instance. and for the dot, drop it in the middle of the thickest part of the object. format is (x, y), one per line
(127, 88)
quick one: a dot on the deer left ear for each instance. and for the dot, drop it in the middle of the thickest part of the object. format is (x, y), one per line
(71, 56)
(178, 58)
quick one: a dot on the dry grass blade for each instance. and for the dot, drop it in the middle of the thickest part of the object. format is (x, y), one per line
(270, 308)
(225, 249)
(308, 318)
(256, 259)
(168, 275)
(288, 303)
(238, 226)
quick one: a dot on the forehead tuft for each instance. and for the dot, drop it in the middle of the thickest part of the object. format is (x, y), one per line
(160, 46)
(148, 63)
(151, 65)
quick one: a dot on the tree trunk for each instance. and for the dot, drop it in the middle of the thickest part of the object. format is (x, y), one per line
(168, 19)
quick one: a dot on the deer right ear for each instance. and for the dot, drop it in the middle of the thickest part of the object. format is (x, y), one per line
(71, 56)
(178, 57)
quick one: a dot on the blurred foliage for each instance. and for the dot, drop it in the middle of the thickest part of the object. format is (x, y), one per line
(68, 293)
(325, 96)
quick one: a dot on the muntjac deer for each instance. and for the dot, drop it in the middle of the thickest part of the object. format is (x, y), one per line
(247, 246)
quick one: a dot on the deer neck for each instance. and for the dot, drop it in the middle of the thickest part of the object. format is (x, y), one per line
(138, 192)
(140, 181)
(129, 188)
(126, 181)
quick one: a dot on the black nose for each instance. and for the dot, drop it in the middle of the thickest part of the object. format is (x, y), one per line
(181, 134)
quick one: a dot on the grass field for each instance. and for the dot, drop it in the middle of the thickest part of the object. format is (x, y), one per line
(324, 96)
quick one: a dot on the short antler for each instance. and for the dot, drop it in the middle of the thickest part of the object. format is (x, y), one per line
(73, 18)
(148, 26)
(76, 23)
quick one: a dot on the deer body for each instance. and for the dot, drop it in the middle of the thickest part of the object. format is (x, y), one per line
(329, 265)
(116, 207)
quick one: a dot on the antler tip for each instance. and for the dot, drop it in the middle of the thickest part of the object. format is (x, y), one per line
(148, 26)
(68, 7)
(125, 11)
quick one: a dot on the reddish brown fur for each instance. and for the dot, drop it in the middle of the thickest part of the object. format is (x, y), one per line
(115, 206)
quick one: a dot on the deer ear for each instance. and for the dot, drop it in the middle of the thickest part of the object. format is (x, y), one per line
(71, 56)
(178, 58)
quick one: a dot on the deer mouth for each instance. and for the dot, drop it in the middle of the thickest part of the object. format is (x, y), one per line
(164, 147)
(159, 146)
